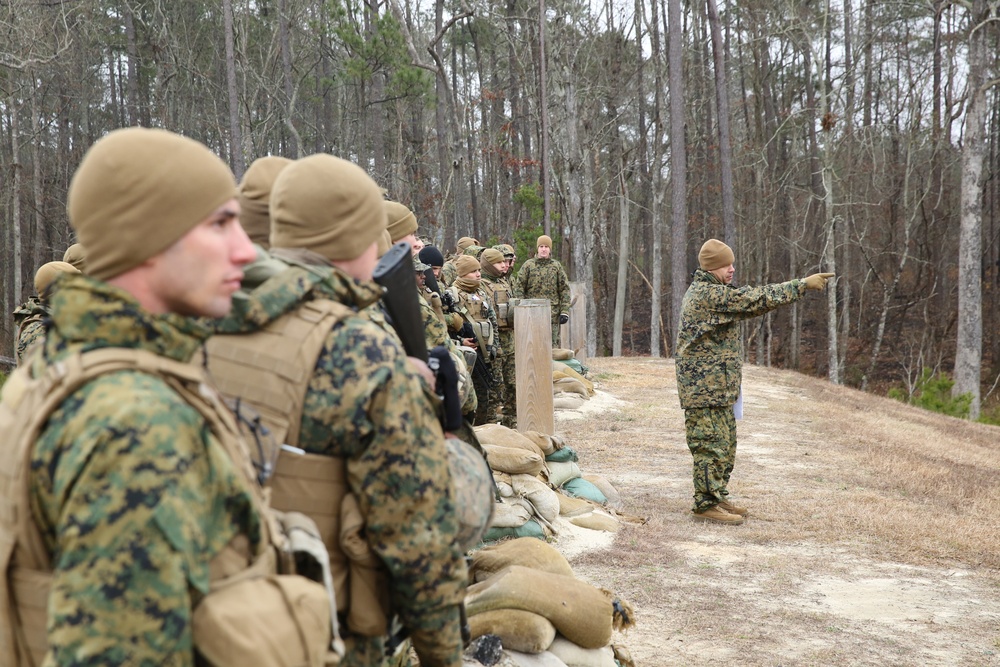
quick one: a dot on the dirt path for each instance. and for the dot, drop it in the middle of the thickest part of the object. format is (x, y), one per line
(840, 563)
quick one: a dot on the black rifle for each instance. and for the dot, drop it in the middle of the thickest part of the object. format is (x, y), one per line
(396, 274)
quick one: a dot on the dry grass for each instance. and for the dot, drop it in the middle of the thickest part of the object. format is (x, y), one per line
(873, 537)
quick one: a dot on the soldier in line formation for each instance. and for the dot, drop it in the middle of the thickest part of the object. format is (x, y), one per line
(146, 520)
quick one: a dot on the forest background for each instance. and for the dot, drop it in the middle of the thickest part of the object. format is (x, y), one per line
(855, 136)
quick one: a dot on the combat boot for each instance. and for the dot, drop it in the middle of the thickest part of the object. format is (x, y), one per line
(716, 514)
(733, 509)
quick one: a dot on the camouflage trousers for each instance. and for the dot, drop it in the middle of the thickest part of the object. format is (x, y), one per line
(711, 437)
(506, 363)
(489, 392)
(555, 331)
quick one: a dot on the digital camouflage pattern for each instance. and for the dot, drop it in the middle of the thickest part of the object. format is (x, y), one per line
(132, 492)
(29, 318)
(709, 362)
(448, 273)
(506, 398)
(435, 334)
(545, 279)
(711, 437)
(364, 404)
(487, 380)
(709, 350)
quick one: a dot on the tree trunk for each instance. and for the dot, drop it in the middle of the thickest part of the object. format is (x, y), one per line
(236, 160)
(623, 256)
(543, 158)
(725, 141)
(15, 200)
(678, 167)
(969, 335)
(656, 305)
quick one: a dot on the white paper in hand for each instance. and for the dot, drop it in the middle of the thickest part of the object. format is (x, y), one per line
(738, 406)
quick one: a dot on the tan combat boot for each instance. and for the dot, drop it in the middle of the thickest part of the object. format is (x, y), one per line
(716, 514)
(733, 509)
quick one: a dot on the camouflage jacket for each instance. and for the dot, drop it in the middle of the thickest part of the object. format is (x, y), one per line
(709, 350)
(364, 404)
(476, 307)
(29, 318)
(544, 279)
(131, 491)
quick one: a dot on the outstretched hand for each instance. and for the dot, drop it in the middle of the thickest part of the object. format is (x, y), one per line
(817, 281)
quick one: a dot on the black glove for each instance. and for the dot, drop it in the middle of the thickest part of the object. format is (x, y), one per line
(563, 318)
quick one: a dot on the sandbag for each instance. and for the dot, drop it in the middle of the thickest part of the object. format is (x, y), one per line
(581, 488)
(605, 487)
(531, 529)
(511, 513)
(569, 371)
(562, 354)
(582, 613)
(596, 521)
(622, 656)
(567, 401)
(517, 629)
(546, 443)
(527, 552)
(514, 460)
(543, 659)
(544, 501)
(499, 435)
(575, 365)
(570, 385)
(561, 473)
(572, 506)
(504, 487)
(577, 656)
(564, 455)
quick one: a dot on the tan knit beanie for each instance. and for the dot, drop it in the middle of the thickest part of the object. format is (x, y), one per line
(255, 195)
(543, 240)
(384, 242)
(137, 191)
(466, 264)
(47, 274)
(491, 256)
(401, 221)
(76, 256)
(327, 205)
(465, 242)
(715, 254)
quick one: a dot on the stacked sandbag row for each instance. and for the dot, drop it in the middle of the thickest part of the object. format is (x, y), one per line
(539, 481)
(570, 387)
(524, 592)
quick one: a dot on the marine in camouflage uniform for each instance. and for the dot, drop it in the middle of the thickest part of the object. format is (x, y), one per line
(494, 268)
(544, 278)
(709, 362)
(131, 490)
(365, 404)
(473, 303)
(30, 317)
(448, 272)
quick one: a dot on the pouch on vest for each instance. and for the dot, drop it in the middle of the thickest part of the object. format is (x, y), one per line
(369, 610)
(291, 626)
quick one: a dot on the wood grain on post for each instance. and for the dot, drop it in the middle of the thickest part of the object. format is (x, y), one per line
(533, 365)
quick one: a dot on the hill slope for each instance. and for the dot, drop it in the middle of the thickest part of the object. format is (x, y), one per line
(874, 535)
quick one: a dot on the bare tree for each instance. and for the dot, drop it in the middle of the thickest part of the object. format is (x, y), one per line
(678, 164)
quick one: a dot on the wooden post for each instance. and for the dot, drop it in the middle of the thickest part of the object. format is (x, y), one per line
(533, 365)
(574, 334)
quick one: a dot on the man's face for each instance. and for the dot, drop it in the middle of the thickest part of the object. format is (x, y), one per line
(421, 279)
(510, 259)
(501, 267)
(199, 273)
(544, 251)
(473, 275)
(437, 271)
(725, 273)
(416, 245)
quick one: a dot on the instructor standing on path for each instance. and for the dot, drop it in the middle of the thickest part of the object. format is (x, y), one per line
(709, 368)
